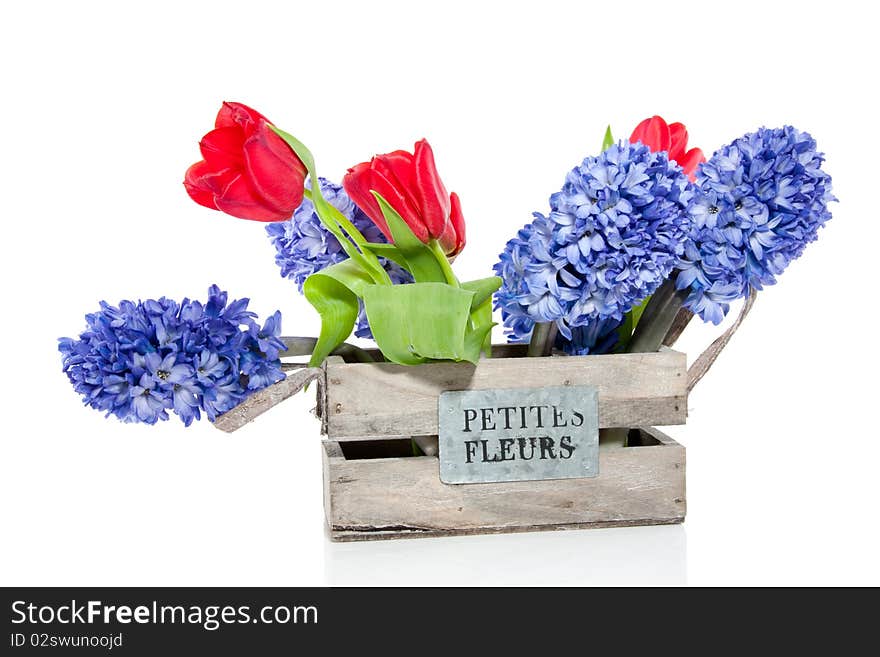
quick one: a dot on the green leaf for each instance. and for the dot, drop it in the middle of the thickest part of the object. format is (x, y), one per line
(421, 261)
(483, 289)
(624, 333)
(418, 322)
(630, 321)
(381, 248)
(475, 342)
(608, 140)
(334, 293)
(637, 311)
(479, 334)
(338, 308)
(388, 251)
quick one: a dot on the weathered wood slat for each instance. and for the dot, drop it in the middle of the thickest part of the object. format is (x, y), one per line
(261, 401)
(498, 351)
(384, 399)
(404, 497)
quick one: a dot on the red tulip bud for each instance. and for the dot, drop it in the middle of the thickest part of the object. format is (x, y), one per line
(672, 138)
(411, 185)
(248, 171)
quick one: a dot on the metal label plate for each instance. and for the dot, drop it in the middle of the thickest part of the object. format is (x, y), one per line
(519, 434)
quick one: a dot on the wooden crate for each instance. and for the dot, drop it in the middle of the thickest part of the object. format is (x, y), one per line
(374, 488)
(369, 498)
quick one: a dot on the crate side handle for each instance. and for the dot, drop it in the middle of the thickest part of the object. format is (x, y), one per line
(261, 401)
(705, 360)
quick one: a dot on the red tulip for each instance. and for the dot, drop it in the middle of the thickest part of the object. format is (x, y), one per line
(411, 185)
(658, 136)
(248, 170)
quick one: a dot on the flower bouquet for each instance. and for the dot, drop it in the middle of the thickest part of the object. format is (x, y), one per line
(641, 238)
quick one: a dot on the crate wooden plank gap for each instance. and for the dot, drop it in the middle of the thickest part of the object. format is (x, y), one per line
(403, 497)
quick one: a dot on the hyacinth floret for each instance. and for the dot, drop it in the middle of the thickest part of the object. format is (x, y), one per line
(140, 360)
(760, 201)
(613, 234)
(304, 246)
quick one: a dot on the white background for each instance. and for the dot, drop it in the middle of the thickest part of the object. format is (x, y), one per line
(102, 108)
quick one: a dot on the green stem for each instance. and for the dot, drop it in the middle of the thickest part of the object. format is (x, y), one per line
(334, 220)
(351, 353)
(428, 445)
(613, 438)
(657, 318)
(443, 261)
(342, 220)
(543, 336)
(369, 261)
(375, 268)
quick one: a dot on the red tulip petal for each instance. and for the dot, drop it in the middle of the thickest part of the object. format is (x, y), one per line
(434, 197)
(678, 139)
(400, 163)
(356, 184)
(197, 194)
(653, 133)
(448, 240)
(239, 200)
(204, 182)
(398, 169)
(456, 220)
(222, 147)
(639, 133)
(273, 170)
(691, 160)
(399, 202)
(237, 114)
